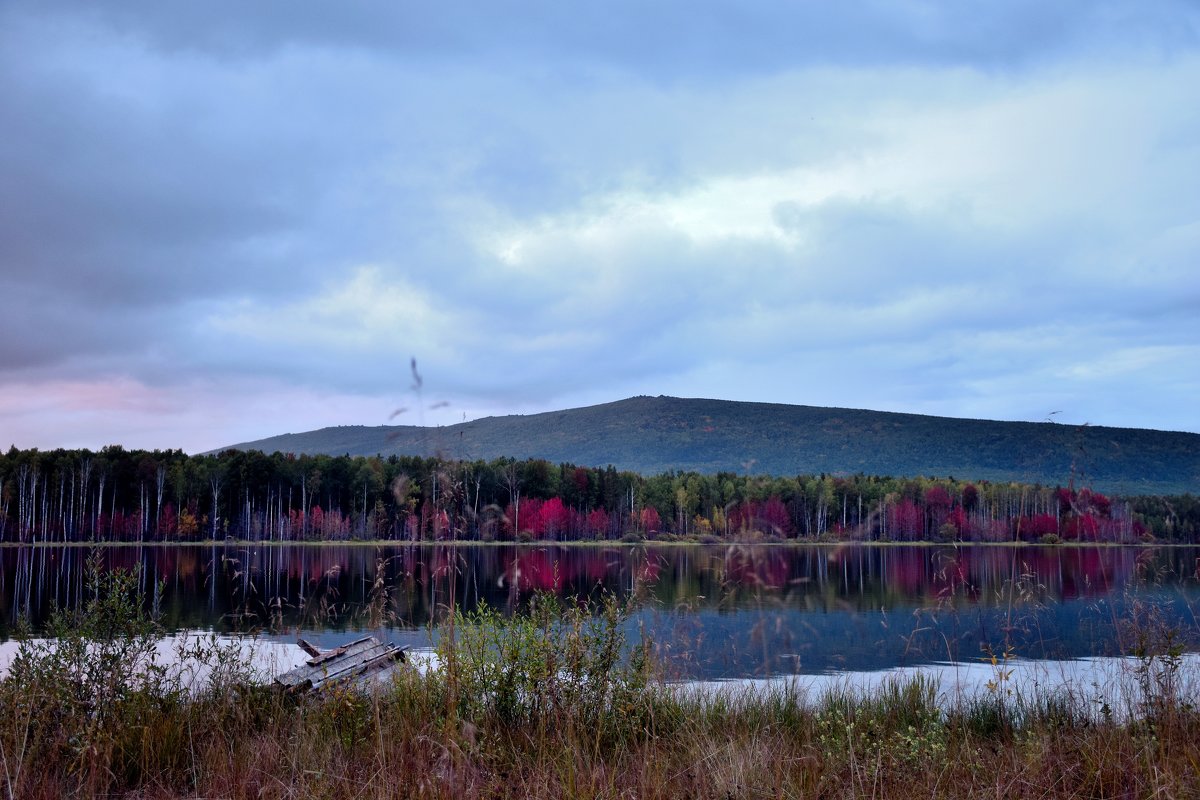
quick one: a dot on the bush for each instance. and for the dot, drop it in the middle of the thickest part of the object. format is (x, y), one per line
(551, 662)
(946, 533)
(94, 705)
(74, 695)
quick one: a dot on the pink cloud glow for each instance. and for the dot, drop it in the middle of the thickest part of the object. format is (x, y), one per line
(194, 417)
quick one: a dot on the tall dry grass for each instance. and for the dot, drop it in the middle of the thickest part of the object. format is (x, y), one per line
(551, 704)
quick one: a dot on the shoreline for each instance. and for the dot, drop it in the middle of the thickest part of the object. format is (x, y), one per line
(590, 543)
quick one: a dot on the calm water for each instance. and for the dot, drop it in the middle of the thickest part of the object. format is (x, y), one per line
(713, 612)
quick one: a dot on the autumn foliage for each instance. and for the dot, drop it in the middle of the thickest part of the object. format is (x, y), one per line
(118, 495)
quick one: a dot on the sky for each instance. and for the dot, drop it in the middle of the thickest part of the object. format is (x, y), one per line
(223, 221)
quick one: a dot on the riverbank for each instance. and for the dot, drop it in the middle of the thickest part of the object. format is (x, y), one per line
(555, 703)
(415, 739)
(588, 543)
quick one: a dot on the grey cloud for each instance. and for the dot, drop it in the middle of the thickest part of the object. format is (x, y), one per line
(162, 163)
(180, 182)
(872, 273)
(672, 39)
(91, 192)
(41, 336)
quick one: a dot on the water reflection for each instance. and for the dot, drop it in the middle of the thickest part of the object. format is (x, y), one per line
(712, 611)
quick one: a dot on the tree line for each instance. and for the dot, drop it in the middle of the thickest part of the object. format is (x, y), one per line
(137, 495)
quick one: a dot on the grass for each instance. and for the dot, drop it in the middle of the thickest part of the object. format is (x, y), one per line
(552, 704)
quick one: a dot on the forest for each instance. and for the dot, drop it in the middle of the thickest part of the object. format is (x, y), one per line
(123, 495)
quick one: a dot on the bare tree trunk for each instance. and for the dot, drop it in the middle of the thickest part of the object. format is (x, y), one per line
(160, 481)
(33, 505)
(112, 512)
(85, 478)
(214, 482)
(99, 509)
(513, 482)
(70, 525)
(22, 479)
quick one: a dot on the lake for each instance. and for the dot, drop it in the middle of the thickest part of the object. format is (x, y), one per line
(713, 612)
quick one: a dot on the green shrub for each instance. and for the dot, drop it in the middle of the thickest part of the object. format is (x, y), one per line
(71, 698)
(552, 661)
(946, 533)
(898, 723)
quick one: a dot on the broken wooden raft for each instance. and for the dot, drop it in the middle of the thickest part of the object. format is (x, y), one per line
(361, 664)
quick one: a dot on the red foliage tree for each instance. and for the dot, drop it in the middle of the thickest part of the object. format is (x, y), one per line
(553, 519)
(1085, 527)
(961, 522)
(906, 520)
(937, 497)
(937, 506)
(649, 520)
(597, 522)
(775, 517)
(525, 518)
(1037, 526)
(168, 521)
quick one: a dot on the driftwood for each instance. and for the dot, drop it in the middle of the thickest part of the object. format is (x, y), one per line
(361, 664)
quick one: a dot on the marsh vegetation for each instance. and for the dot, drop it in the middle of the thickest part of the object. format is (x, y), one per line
(558, 700)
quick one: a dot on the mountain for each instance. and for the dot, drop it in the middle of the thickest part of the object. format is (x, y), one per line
(657, 434)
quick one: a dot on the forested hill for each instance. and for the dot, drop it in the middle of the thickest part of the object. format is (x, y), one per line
(658, 434)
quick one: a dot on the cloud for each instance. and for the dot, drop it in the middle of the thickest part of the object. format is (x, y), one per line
(943, 207)
(343, 334)
(188, 415)
(670, 39)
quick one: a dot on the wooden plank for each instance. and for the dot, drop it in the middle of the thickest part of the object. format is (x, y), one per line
(332, 671)
(329, 655)
(325, 668)
(376, 679)
(378, 672)
(311, 649)
(353, 662)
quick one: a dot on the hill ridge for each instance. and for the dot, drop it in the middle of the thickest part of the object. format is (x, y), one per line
(657, 434)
